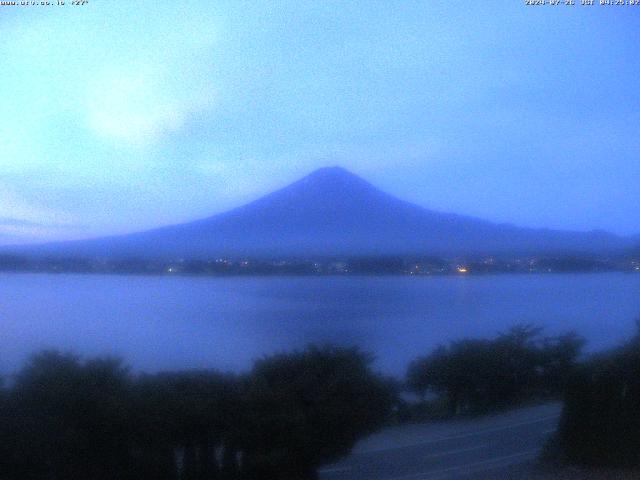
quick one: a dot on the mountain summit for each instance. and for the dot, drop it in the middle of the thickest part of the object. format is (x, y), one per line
(332, 212)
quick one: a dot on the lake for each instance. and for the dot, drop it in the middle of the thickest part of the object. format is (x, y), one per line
(158, 323)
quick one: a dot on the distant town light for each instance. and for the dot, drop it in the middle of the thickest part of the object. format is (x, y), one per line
(462, 269)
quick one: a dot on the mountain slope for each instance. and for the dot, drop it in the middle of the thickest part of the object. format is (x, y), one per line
(333, 212)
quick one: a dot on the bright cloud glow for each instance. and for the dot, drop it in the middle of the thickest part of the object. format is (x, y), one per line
(140, 107)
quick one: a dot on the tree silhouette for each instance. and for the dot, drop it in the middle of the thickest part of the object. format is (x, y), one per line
(69, 419)
(309, 408)
(600, 423)
(66, 418)
(481, 375)
(195, 413)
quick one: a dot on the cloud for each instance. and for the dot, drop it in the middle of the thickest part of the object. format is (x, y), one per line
(139, 106)
(26, 220)
(142, 76)
(16, 222)
(20, 223)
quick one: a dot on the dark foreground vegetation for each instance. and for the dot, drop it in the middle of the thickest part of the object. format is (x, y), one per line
(600, 425)
(600, 422)
(63, 418)
(474, 376)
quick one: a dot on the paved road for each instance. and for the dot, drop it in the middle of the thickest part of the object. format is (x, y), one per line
(492, 447)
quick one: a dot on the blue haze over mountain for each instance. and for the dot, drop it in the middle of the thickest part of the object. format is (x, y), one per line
(332, 212)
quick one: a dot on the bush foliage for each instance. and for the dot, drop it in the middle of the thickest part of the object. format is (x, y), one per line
(481, 375)
(64, 418)
(600, 423)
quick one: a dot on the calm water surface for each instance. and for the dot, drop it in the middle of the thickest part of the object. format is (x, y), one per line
(191, 322)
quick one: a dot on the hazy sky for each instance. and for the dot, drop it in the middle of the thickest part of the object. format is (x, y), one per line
(119, 116)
